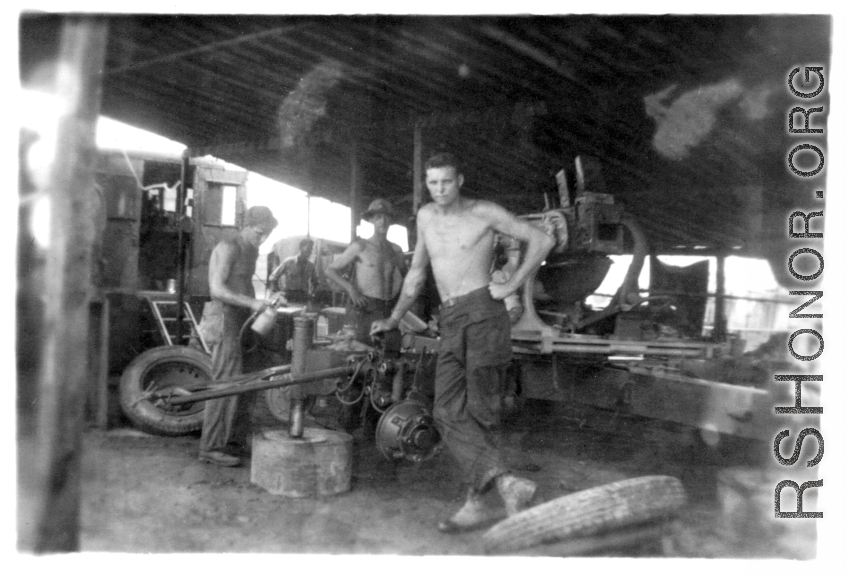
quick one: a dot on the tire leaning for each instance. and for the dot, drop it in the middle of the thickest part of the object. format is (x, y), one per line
(143, 413)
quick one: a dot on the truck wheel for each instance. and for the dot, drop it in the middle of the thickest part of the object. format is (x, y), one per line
(163, 368)
(588, 512)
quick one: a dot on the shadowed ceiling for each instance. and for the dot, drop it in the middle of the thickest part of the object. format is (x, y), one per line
(687, 115)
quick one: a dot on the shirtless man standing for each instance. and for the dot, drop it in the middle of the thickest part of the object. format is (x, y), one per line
(372, 292)
(231, 269)
(296, 277)
(456, 235)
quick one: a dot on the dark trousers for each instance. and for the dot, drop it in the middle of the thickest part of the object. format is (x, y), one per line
(297, 297)
(362, 317)
(474, 353)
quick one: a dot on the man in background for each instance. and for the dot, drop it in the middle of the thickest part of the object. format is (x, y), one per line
(296, 277)
(376, 267)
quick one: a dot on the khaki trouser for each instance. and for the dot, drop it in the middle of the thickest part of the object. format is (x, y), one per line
(228, 418)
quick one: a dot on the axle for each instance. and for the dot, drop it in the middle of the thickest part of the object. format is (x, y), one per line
(253, 384)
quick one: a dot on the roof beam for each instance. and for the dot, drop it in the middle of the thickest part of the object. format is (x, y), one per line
(528, 50)
(206, 48)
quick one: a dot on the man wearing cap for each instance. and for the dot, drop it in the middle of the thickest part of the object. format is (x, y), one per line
(456, 236)
(233, 300)
(377, 270)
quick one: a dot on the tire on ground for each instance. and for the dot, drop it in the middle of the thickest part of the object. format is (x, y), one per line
(588, 512)
(164, 368)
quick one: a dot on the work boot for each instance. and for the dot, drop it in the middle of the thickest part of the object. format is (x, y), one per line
(219, 458)
(473, 515)
(516, 492)
(239, 449)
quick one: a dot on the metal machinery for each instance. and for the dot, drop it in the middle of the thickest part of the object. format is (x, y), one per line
(397, 386)
(639, 355)
(149, 220)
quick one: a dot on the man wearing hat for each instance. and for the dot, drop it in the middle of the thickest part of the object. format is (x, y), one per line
(377, 270)
(231, 269)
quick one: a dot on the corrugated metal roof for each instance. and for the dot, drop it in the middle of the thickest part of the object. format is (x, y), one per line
(687, 114)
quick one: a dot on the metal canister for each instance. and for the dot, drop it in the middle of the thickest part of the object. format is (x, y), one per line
(264, 323)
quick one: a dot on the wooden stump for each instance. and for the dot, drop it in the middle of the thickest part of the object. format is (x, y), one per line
(317, 464)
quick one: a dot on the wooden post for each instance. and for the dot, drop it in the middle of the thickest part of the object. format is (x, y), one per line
(63, 376)
(354, 190)
(417, 183)
(181, 251)
(719, 330)
(417, 170)
(98, 357)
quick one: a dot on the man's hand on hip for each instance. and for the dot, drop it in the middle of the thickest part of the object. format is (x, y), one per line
(356, 297)
(500, 291)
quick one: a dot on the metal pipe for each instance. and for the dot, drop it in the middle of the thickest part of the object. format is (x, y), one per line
(703, 295)
(397, 384)
(613, 348)
(282, 381)
(529, 320)
(295, 419)
(641, 248)
(303, 336)
(203, 385)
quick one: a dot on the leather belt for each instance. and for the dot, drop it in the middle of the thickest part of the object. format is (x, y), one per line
(453, 301)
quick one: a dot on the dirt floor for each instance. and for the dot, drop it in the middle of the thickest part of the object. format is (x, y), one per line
(145, 493)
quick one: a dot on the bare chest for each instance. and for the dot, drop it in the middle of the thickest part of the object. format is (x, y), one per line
(456, 237)
(376, 257)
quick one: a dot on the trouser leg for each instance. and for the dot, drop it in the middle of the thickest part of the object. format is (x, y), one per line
(467, 403)
(219, 414)
(242, 422)
(218, 418)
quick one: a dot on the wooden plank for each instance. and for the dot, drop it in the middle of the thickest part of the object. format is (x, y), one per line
(67, 290)
(418, 175)
(712, 406)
